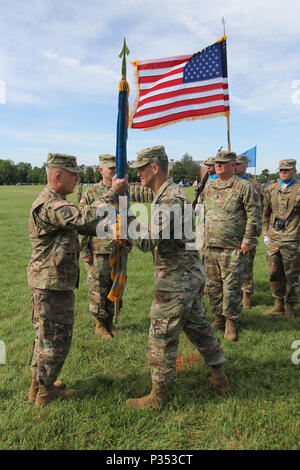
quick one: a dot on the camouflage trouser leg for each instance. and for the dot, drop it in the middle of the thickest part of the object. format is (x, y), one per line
(171, 313)
(248, 284)
(284, 269)
(225, 270)
(99, 282)
(52, 338)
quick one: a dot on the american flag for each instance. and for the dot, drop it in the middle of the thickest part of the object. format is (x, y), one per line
(184, 87)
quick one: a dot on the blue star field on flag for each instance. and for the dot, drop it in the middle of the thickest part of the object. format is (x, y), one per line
(207, 64)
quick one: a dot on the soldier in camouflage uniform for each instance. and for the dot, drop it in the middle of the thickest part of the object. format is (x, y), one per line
(232, 224)
(248, 284)
(281, 222)
(95, 253)
(178, 283)
(53, 272)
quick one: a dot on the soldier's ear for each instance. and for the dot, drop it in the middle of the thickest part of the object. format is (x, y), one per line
(155, 168)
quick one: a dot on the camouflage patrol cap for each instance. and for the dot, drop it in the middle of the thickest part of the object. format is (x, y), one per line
(288, 164)
(60, 160)
(150, 155)
(242, 159)
(224, 157)
(210, 161)
(107, 160)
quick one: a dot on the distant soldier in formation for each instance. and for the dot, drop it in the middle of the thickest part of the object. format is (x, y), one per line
(248, 284)
(232, 224)
(281, 222)
(178, 282)
(95, 254)
(53, 272)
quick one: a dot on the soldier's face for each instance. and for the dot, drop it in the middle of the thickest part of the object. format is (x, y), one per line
(146, 175)
(225, 170)
(241, 168)
(210, 169)
(107, 174)
(286, 175)
(67, 181)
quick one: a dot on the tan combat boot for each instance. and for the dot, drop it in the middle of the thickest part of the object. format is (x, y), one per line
(278, 308)
(289, 311)
(157, 398)
(101, 330)
(246, 300)
(34, 388)
(111, 327)
(219, 380)
(47, 394)
(230, 330)
(219, 323)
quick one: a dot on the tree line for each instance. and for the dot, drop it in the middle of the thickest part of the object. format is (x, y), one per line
(24, 173)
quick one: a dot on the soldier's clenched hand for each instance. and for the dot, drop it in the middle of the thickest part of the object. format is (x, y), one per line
(120, 185)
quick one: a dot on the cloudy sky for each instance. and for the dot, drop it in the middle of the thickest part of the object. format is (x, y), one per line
(59, 74)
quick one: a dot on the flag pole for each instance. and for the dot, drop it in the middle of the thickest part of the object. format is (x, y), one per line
(227, 113)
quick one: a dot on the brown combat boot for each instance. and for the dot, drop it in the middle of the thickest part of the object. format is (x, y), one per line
(101, 330)
(219, 323)
(157, 398)
(289, 311)
(47, 394)
(246, 300)
(113, 330)
(278, 308)
(219, 380)
(230, 330)
(34, 388)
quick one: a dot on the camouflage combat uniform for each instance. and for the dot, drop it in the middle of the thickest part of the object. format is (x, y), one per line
(283, 251)
(53, 273)
(99, 271)
(232, 217)
(178, 301)
(248, 284)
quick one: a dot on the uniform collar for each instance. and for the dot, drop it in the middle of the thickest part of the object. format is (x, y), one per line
(162, 189)
(52, 190)
(287, 183)
(224, 184)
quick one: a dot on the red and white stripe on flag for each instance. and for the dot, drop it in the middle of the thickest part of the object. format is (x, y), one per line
(165, 97)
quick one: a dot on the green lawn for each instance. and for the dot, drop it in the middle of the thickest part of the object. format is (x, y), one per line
(261, 412)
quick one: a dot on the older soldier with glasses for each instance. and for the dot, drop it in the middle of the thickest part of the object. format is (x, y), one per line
(232, 224)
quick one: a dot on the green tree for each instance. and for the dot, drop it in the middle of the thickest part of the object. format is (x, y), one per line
(34, 175)
(7, 172)
(89, 175)
(22, 170)
(185, 169)
(132, 175)
(97, 176)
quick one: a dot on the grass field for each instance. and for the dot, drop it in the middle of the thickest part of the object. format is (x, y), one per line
(261, 411)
